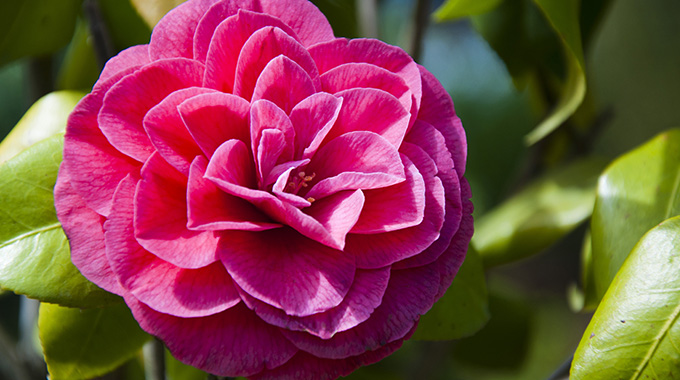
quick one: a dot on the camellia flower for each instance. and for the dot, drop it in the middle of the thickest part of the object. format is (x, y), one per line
(270, 201)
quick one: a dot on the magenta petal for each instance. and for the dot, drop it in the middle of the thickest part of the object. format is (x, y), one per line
(232, 164)
(409, 295)
(215, 118)
(303, 17)
(127, 102)
(438, 110)
(130, 58)
(307, 366)
(277, 147)
(312, 119)
(287, 270)
(167, 131)
(161, 218)
(234, 342)
(212, 209)
(173, 35)
(83, 227)
(368, 109)
(272, 143)
(338, 213)
(365, 75)
(95, 166)
(159, 284)
(405, 200)
(363, 297)
(355, 160)
(263, 46)
(221, 46)
(284, 83)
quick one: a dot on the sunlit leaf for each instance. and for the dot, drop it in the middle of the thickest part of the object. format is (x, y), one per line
(45, 118)
(453, 9)
(35, 27)
(539, 215)
(463, 309)
(634, 333)
(34, 253)
(153, 10)
(82, 344)
(564, 17)
(637, 191)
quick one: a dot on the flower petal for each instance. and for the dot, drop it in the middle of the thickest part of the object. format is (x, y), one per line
(130, 58)
(215, 118)
(287, 270)
(233, 343)
(161, 218)
(160, 285)
(83, 227)
(127, 102)
(303, 17)
(312, 119)
(284, 83)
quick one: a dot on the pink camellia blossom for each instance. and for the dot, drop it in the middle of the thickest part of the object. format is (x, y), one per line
(270, 201)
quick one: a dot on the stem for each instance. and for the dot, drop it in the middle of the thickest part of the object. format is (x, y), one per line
(103, 45)
(421, 20)
(368, 17)
(563, 371)
(10, 362)
(154, 360)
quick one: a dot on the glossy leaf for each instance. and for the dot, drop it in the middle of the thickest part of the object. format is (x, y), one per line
(637, 191)
(82, 344)
(453, 9)
(35, 27)
(153, 10)
(45, 118)
(634, 333)
(539, 215)
(34, 252)
(564, 17)
(464, 308)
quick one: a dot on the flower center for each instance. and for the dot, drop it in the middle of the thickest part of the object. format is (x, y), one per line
(300, 181)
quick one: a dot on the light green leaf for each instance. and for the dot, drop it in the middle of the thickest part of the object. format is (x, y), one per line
(81, 344)
(176, 370)
(34, 253)
(463, 309)
(453, 9)
(564, 17)
(153, 10)
(637, 191)
(539, 215)
(79, 69)
(634, 333)
(45, 118)
(584, 298)
(35, 27)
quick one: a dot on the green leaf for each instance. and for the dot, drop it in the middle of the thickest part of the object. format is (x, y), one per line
(35, 27)
(585, 298)
(564, 17)
(124, 23)
(177, 370)
(637, 191)
(453, 9)
(80, 69)
(34, 252)
(45, 118)
(635, 330)
(463, 309)
(342, 15)
(539, 215)
(81, 344)
(153, 10)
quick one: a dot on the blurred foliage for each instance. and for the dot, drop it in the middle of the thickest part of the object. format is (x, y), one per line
(510, 66)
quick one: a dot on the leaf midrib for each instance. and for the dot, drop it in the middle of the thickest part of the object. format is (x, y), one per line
(30, 233)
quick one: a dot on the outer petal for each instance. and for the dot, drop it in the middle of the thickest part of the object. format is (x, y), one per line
(126, 103)
(161, 218)
(83, 227)
(130, 58)
(409, 294)
(363, 297)
(303, 17)
(287, 270)
(167, 131)
(233, 343)
(215, 118)
(162, 286)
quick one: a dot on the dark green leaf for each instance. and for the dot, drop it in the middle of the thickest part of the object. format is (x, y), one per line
(635, 330)
(45, 118)
(564, 17)
(538, 216)
(342, 15)
(35, 27)
(636, 192)
(463, 309)
(34, 253)
(123, 23)
(80, 68)
(453, 9)
(81, 344)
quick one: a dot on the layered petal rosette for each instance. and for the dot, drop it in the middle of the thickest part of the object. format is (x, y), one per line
(270, 201)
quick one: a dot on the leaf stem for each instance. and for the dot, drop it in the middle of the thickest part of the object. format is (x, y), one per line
(368, 18)
(154, 360)
(420, 24)
(103, 45)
